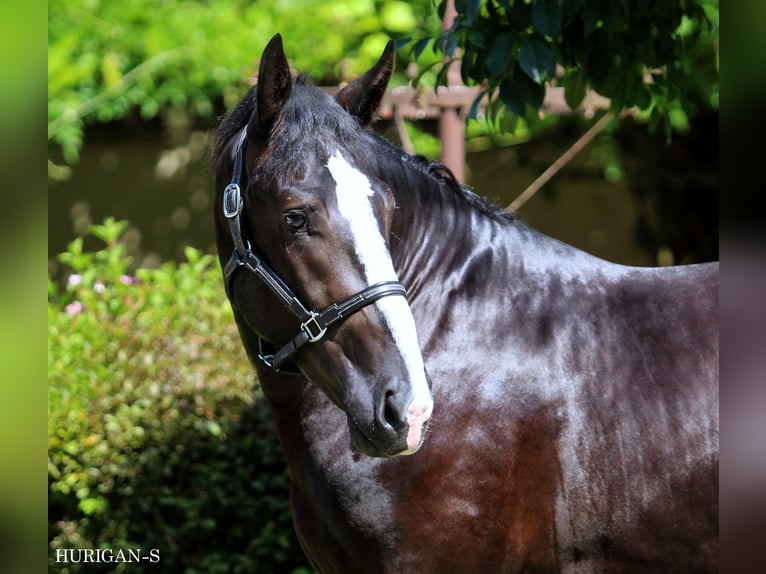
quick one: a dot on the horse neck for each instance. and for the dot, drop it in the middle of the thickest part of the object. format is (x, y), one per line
(434, 225)
(438, 231)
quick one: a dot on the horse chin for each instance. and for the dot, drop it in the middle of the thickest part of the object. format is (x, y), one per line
(413, 450)
(384, 449)
(366, 445)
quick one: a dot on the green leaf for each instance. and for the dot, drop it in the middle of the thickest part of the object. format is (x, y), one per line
(473, 111)
(214, 428)
(537, 58)
(546, 16)
(441, 77)
(475, 37)
(423, 70)
(520, 16)
(420, 45)
(501, 53)
(110, 231)
(574, 88)
(192, 255)
(519, 91)
(591, 18)
(467, 65)
(642, 97)
(92, 504)
(472, 8)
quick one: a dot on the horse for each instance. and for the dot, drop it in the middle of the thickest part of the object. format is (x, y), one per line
(453, 390)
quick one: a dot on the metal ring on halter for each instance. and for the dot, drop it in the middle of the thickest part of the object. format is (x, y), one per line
(320, 331)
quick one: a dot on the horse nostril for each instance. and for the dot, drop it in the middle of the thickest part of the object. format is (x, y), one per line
(393, 413)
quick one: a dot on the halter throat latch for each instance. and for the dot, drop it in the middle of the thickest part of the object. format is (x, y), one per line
(313, 324)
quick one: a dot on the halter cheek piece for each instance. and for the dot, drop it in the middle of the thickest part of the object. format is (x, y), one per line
(314, 324)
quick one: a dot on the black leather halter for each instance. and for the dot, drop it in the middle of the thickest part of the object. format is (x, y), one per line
(314, 324)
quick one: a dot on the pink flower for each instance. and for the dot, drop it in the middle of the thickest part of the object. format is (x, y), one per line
(74, 279)
(99, 287)
(74, 308)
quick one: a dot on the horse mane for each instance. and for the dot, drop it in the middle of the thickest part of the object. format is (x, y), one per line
(391, 157)
(442, 175)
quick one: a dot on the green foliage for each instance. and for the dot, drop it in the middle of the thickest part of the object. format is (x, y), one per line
(108, 60)
(658, 57)
(156, 438)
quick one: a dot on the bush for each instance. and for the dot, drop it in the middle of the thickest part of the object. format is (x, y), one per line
(157, 438)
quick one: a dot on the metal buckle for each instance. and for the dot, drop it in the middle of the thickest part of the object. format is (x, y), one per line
(313, 338)
(232, 201)
(268, 360)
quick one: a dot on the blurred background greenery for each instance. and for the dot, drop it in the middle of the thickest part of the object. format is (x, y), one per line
(139, 60)
(156, 436)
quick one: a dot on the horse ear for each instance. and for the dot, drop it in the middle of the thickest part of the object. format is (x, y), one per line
(274, 87)
(361, 97)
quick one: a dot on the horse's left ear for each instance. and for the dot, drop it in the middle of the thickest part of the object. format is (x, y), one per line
(274, 87)
(361, 97)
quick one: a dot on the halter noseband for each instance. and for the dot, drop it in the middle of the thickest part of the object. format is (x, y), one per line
(314, 324)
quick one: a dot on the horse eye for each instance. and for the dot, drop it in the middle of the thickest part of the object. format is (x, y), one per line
(296, 219)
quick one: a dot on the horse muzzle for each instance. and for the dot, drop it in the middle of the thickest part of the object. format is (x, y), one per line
(397, 428)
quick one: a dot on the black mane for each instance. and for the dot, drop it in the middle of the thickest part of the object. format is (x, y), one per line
(442, 175)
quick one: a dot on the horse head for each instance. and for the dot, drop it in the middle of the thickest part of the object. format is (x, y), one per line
(312, 221)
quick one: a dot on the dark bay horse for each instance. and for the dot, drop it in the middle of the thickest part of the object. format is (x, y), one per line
(558, 413)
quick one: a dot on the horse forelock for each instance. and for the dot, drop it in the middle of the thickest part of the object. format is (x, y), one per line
(310, 125)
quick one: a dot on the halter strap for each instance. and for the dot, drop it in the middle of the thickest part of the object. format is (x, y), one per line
(313, 324)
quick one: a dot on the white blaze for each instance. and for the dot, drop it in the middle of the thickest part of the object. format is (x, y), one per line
(353, 192)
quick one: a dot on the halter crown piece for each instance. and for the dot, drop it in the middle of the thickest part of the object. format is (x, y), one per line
(313, 324)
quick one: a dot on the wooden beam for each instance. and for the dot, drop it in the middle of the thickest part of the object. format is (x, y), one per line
(427, 103)
(451, 125)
